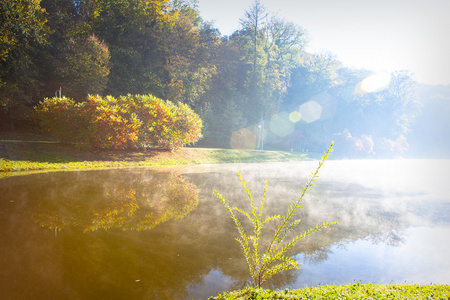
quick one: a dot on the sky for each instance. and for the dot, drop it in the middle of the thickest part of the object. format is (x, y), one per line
(379, 35)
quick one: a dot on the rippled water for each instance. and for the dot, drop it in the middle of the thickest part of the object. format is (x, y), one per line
(161, 234)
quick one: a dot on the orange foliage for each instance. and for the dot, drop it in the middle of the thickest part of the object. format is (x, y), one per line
(132, 121)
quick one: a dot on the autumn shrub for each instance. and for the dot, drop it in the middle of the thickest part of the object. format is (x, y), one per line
(132, 121)
(61, 117)
(164, 124)
(107, 125)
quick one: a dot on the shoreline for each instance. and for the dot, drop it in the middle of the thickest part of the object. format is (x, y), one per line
(22, 154)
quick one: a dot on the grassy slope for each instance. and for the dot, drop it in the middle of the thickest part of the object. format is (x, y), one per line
(25, 153)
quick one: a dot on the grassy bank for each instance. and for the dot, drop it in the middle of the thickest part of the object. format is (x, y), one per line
(32, 152)
(353, 291)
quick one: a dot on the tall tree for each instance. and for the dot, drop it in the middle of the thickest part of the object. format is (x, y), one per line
(226, 92)
(253, 38)
(23, 36)
(189, 59)
(83, 67)
(271, 49)
(286, 41)
(135, 32)
(314, 75)
(254, 69)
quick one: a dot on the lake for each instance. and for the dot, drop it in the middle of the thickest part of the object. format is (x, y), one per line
(149, 233)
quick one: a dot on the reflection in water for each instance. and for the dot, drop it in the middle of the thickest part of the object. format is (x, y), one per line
(420, 259)
(104, 250)
(318, 256)
(159, 202)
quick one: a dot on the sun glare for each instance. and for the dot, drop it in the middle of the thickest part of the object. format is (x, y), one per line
(374, 83)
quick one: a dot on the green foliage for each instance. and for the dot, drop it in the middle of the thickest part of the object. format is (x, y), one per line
(22, 28)
(270, 46)
(163, 48)
(189, 67)
(23, 35)
(316, 74)
(127, 122)
(164, 124)
(263, 265)
(352, 291)
(221, 122)
(56, 115)
(83, 66)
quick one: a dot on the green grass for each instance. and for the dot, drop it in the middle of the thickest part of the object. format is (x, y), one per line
(24, 153)
(353, 291)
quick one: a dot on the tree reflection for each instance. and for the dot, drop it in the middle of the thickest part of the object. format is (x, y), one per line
(318, 255)
(125, 208)
(393, 237)
(167, 259)
(363, 213)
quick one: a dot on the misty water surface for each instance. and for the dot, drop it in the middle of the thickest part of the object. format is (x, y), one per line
(161, 234)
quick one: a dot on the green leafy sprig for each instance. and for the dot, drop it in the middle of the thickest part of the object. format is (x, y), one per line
(263, 265)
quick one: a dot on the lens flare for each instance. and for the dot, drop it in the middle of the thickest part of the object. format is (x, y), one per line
(328, 104)
(310, 111)
(243, 139)
(295, 117)
(281, 125)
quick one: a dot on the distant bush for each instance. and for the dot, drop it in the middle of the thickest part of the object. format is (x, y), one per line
(132, 121)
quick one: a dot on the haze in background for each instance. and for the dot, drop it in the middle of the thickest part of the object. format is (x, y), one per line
(376, 35)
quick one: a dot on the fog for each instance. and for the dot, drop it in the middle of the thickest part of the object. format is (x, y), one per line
(163, 234)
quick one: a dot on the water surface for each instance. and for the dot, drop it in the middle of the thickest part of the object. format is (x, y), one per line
(161, 234)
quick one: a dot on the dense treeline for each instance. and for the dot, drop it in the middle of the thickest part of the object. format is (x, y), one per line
(256, 88)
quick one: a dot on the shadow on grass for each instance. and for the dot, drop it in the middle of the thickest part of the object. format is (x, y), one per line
(53, 152)
(22, 153)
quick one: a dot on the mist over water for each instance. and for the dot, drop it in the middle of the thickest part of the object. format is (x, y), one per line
(142, 233)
